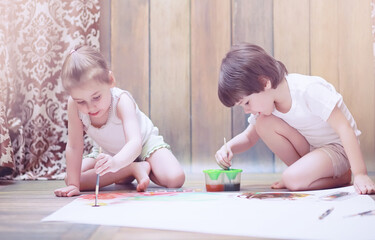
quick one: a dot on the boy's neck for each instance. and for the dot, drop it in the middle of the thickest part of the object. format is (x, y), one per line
(283, 99)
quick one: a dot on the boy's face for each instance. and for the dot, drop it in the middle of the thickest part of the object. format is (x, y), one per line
(258, 103)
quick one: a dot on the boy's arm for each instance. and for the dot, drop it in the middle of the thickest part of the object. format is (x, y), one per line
(238, 144)
(244, 140)
(73, 152)
(341, 125)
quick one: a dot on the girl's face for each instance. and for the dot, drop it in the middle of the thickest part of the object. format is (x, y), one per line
(93, 98)
(258, 103)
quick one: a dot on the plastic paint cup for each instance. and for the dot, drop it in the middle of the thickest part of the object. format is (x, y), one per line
(218, 180)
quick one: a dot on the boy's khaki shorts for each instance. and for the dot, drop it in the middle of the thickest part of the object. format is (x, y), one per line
(338, 157)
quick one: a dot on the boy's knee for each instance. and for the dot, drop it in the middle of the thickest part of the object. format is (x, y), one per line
(265, 124)
(293, 181)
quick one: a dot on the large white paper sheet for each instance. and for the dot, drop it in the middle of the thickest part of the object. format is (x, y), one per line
(232, 213)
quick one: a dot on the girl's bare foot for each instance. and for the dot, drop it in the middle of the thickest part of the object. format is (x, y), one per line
(143, 184)
(141, 170)
(278, 185)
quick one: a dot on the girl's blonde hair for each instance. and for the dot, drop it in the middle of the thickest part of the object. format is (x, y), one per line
(84, 64)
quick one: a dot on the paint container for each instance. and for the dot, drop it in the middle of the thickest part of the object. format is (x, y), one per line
(218, 180)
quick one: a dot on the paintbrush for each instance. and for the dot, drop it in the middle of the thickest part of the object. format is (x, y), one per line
(226, 150)
(97, 185)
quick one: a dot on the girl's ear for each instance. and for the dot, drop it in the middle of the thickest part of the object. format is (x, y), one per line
(112, 79)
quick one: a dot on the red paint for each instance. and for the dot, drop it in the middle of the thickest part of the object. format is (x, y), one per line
(215, 188)
(103, 196)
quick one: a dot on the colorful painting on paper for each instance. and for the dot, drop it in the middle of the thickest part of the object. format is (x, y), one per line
(336, 196)
(274, 195)
(118, 198)
(230, 213)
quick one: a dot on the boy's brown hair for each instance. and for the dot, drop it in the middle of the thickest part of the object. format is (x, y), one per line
(244, 71)
(84, 63)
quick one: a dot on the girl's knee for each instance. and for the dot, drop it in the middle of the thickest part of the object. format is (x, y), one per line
(87, 163)
(175, 180)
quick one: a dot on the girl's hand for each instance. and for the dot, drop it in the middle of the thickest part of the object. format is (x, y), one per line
(363, 184)
(224, 158)
(68, 191)
(105, 164)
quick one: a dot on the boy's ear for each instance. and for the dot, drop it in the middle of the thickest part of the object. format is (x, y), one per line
(266, 83)
(112, 79)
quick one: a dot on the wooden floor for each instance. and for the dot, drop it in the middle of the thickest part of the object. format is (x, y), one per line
(24, 203)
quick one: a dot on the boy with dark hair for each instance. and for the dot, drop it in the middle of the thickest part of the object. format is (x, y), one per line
(302, 119)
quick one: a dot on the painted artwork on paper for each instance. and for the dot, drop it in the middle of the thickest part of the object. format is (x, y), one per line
(337, 196)
(275, 195)
(231, 213)
(123, 197)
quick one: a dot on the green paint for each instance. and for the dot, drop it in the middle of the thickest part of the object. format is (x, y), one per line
(215, 173)
(232, 173)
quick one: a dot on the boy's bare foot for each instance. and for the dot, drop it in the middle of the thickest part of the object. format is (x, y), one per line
(143, 184)
(278, 185)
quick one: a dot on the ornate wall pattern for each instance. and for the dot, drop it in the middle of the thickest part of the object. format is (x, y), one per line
(35, 36)
(373, 22)
(6, 152)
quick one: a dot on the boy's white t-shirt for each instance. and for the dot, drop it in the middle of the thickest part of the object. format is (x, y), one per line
(313, 100)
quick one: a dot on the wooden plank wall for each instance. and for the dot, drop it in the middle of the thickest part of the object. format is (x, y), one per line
(167, 53)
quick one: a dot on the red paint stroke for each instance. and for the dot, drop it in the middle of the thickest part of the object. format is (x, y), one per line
(107, 196)
(101, 196)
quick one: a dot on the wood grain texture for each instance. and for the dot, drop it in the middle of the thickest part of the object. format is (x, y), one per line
(210, 40)
(291, 40)
(356, 69)
(170, 74)
(292, 35)
(24, 203)
(169, 59)
(252, 23)
(324, 40)
(105, 29)
(130, 48)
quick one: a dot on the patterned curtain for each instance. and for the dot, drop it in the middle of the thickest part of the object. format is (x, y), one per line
(35, 36)
(373, 23)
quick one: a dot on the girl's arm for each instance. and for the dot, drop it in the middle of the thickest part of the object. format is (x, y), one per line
(341, 125)
(74, 151)
(133, 146)
(238, 144)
